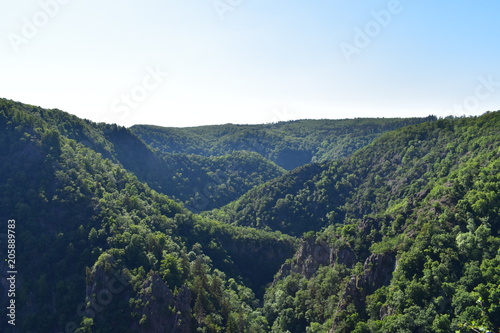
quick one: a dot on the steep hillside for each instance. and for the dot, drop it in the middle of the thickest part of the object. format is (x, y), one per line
(401, 235)
(202, 183)
(408, 234)
(289, 144)
(394, 168)
(100, 251)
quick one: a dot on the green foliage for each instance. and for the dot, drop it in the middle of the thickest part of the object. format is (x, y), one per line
(402, 234)
(201, 182)
(289, 144)
(427, 195)
(119, 252)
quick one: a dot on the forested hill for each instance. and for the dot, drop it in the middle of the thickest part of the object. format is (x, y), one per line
(201, 182)
(99, 251)
(401, 236)
(394, 168)
(395, 232)
(289, 144)
(214, 165)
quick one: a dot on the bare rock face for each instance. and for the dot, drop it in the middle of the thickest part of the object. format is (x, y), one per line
(159, 311)
(182, 319)
(311, 255)
(154, 307)
(377, 272)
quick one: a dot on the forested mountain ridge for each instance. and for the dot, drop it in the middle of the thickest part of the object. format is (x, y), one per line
(401, 235)
(408, 234)
(201, 182)
(289, 144)
(211, 166)
(99, 251)
(393, 168)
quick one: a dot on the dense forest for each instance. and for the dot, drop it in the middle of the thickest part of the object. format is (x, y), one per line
(364, 225)
(202, 183)
(289, 144)
(401, 236)
(99, 251)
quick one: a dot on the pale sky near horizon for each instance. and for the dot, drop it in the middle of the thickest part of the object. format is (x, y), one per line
(199, 62)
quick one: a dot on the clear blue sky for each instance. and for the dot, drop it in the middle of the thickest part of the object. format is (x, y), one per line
(186, 62)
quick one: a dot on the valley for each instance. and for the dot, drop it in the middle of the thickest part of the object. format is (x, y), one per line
(351, 225)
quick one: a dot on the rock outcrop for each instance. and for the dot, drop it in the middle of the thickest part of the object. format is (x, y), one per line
(159, 311)
(312, 254)
(377, 272)
(154, 307)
